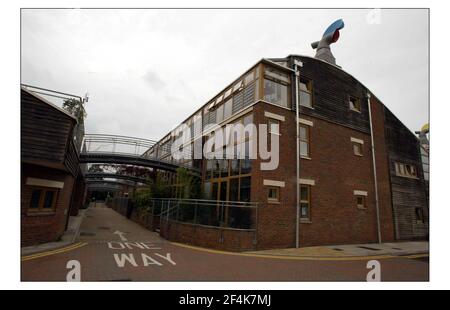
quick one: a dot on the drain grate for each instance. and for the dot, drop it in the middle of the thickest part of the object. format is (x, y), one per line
(84, 233)
(397, 249)
(104, 227)
(337, 249)
(369, 248)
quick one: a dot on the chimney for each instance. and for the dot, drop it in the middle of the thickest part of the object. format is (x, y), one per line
(330, 36)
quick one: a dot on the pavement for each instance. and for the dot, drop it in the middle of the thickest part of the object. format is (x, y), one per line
(353, 250)
(69, 237)
(113, 248)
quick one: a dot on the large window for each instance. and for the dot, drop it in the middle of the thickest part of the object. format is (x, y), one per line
(305, 202)
(43, 199)
(304, 141)
(305, 92)
(275, 93)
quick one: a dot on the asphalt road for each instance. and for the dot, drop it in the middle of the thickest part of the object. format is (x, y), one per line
(112, 248)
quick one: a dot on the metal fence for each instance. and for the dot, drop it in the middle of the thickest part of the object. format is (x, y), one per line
(225, 214)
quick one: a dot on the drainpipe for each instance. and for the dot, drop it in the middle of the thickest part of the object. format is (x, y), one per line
(297, 116)
(374, 169)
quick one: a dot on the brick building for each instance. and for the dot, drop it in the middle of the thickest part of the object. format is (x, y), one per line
(339, 200)
(52, 187)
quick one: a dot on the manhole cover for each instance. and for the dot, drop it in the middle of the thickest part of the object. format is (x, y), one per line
(83, 233)
(368, 248)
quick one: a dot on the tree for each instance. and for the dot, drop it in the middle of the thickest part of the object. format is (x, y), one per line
(76, 108)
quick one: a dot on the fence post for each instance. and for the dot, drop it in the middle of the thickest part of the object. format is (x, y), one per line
(195, 212)
(168, 210)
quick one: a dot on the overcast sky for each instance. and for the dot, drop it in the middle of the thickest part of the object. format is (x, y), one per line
(147, 70)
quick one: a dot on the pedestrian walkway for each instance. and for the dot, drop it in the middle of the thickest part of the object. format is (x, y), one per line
(353, 250)
(104, 224)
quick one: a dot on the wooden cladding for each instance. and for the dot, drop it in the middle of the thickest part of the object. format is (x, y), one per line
(330, 94)
(46, 134)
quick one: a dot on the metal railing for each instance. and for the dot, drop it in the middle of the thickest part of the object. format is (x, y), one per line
(103, 144)
(215, 213)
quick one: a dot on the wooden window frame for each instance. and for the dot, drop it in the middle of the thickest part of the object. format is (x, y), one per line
(406, 170)
(308, 201)
(277, 191)
(420, 218)
(361, 148)
(352, 106)
(40, 208)
(362, 206)
(274, 121)
(309, 86)
(307, 141)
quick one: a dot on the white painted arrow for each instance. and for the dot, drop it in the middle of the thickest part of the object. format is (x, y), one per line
(120, 235)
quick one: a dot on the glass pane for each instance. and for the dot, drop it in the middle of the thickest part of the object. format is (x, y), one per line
(245, 189)
(234, 166)
(303, 86)
(35, 197)
(304, 193)
(249, 78)
(48, 199)
(304, 210)
(275, 93)
(305, 99)
(234, 189)
(228, 108)
(304, 148)
(303, 133)
(219, 116)
(223, 191)
(246, 166)
(216, 167)
(274, 127)
(214, 192)
(207, 190)
(224, 168)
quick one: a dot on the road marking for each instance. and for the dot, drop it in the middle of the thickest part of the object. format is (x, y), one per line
(343, 258)
(118, 245)
(53, 252)
(122, 258)
(120, 235)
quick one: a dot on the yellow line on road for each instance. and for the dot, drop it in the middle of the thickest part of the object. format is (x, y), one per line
(342, 258)
(57, 251)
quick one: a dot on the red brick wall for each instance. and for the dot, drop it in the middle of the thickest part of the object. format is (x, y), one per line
(209, 237)
(40, 228)
(276, 222)
(337, 172)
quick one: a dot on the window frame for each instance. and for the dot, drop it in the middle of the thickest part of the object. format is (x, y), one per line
(271, 121)
(307, 141)
(351, 104)
(309, 87)
(404, 170)
(362, 206)
(44, 190)
(280, 83)
(273, 199)
(307, 201)
(360, 146)
(420, 218)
